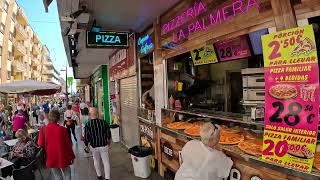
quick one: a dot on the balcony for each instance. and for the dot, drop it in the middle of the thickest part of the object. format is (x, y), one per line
(36, 38)
(36, 62)
(21, 17)
(19, 49)
(2, 5)
(35, 49)
(19, 66)
(21, 31)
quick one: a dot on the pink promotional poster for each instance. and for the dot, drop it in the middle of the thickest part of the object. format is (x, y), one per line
(234, 48)
(292, 98)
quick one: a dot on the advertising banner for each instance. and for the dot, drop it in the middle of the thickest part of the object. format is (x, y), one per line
(234, 48)
(292, 98)
(204, 55)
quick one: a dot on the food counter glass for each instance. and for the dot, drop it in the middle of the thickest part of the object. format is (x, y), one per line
(236, 136)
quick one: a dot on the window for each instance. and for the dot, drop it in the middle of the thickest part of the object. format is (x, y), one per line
(6, 6)
(14, 17)
(10, 36)
(0, 50)
(9, 75)
(2, 27)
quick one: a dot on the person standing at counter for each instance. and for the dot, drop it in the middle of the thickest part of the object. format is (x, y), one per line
(203, 160)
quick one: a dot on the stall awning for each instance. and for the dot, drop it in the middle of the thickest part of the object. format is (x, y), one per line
(46, 4)
(30, 87)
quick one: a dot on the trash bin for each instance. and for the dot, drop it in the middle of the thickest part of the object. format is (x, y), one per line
(115, 132)
(141, 161)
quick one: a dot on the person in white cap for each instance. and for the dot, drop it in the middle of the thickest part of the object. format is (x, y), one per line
(203, 160)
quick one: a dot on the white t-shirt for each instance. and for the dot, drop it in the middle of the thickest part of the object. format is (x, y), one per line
(203, 163)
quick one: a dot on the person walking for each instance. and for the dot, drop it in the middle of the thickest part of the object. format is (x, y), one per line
(98, 137)
(19, 121)
(53, 138)
(70, 122)
(35, 111)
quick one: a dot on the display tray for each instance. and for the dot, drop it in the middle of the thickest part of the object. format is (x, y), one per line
(223, 116)
(233, 150)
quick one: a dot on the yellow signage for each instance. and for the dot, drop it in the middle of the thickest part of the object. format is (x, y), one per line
(289, 47)
(204, 55)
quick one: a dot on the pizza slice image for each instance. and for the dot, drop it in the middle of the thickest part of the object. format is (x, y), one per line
(305, 47)
(300, 151)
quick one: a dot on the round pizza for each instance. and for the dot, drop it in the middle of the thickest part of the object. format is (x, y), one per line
(316, 162)
(301, 151)
(230, 139)
(179, 125)
(193, 131)
(283, 91)
(252, 147)
(226, 130)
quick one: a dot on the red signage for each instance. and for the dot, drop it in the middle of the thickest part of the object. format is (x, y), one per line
(234, 48)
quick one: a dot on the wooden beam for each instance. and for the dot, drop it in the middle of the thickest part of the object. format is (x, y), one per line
(283, 14)
(157, 42)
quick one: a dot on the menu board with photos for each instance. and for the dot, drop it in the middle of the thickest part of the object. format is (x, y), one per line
(234, 48)
(292, 92)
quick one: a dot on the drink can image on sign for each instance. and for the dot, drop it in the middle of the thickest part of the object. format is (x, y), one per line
(292, 98)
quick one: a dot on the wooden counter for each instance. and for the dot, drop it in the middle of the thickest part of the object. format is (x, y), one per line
(246, 167)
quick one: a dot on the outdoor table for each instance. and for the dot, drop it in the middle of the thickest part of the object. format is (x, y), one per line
(10, 143)
(4, 163)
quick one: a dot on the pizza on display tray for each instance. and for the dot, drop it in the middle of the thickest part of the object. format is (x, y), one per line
(316, 162)
(179, 125)
(193, 131)
(251, 147)
(231, 139)
(283, 91)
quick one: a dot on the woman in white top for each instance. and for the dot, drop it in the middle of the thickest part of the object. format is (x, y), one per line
(202, 160)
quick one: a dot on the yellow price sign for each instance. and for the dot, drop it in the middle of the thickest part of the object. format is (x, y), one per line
(204, 55)
(289, 47)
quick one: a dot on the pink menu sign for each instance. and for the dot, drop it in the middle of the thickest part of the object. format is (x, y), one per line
(292, 98)
(234, 48)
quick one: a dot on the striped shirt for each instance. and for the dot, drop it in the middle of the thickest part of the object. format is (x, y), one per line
(97, 133)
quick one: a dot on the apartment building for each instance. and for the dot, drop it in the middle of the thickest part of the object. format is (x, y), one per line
(48, 71)
(21, 53)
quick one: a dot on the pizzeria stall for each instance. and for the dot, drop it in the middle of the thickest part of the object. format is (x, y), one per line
(233, 63)
(147, 124)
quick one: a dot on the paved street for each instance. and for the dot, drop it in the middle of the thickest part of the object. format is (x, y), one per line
(83, 169)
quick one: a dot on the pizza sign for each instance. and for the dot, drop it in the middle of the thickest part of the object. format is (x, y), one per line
(292, 91)
(204, 55)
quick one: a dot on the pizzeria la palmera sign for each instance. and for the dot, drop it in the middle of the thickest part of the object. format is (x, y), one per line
(107, 39)
(184, 25)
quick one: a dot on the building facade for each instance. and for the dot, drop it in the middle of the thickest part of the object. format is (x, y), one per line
(22, 56)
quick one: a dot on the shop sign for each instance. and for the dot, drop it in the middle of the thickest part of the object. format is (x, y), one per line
(145, 44)
(147, 130)
(183, 24)
(292, 97)
(118, 64)
(204, 55)
(168, 151)
(234, 48)
(107, 39)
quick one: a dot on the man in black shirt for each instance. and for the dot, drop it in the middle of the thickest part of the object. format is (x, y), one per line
(98, 137)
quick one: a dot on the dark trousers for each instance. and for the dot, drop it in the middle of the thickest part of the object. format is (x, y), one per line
(71, 129)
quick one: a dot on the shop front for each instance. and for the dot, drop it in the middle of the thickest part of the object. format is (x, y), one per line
(123, 74)
(231, 63)
(100, 86)
(147, 123)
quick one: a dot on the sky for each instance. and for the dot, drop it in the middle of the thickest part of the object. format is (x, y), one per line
(47, 26)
